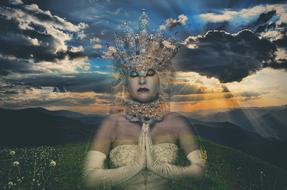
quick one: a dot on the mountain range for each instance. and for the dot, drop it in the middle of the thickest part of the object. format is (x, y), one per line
(38, 126)
(269, 123)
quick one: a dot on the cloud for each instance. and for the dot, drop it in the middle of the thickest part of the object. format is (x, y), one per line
(15, 2)
(96, 43)
(250, 95)
(268, 26)
(272, 26)
(265, 17)
(65, 65)
(55, 91)
(81, 82)
(21, 97)
(188, 88)
(268, 21)
(67, 91)
(281, 55)
(246, 15)
(170, 23)
(266, 83)
(228, 57)
(187, 98)
(272, 35)
(213, 17)
(38, 39)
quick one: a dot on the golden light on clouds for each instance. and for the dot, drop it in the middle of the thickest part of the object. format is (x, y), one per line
(258, 90)
(192, 92)
(86, 109)
(262, 89)
(202, 105)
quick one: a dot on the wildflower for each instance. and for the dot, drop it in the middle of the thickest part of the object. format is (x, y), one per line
(16, 163)
(10, 183)
(52, 163)
(12, 152)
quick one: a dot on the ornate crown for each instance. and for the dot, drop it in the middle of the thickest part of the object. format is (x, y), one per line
(142, 50)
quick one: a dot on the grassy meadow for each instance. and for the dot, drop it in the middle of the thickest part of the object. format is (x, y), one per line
(60, 167)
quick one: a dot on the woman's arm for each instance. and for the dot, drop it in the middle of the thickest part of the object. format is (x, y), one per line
(95, 173)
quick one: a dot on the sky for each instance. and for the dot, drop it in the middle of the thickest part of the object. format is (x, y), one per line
(233, 53)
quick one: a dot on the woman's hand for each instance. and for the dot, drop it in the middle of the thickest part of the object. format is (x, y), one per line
(141, 152)
(149, 153)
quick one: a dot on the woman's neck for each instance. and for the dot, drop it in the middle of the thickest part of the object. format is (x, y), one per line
(146, 112)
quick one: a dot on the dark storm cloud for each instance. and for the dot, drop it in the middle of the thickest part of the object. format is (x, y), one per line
(225, 56)
(217, 25)
(84, 82)
(283, 41)
(267, 22)
(64, 101)
(18, 102)
(9, 64)
(272, 26)
(265, 17)
(27, 92)
(29, 35)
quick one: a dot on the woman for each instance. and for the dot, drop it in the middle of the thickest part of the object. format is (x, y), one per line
(138, 148)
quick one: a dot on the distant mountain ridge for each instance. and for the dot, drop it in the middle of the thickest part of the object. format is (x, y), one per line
(269, 123)
(38, 126)
(261, 132)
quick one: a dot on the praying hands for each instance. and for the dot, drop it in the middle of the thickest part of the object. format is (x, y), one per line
(165, 169)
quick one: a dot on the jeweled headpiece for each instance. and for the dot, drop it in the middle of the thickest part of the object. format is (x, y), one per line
(142, 50)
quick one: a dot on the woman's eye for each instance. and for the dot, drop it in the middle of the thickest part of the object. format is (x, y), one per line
(150, 72)
(134, 74)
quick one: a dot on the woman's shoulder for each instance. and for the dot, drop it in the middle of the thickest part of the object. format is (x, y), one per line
(109, 122)
(175, 116)
(108, 126)
(112, 120)
(113, 117)
(177, 121)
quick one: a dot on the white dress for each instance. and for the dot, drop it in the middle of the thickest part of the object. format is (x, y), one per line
(122, 155)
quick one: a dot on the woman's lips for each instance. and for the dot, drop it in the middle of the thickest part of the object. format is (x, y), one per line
(143, 90)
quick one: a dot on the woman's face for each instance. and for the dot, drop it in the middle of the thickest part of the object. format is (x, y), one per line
(143, 86)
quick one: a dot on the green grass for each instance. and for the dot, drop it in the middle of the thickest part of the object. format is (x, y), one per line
(228, 169)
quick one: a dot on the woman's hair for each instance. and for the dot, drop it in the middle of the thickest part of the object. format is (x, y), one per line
(120, 92)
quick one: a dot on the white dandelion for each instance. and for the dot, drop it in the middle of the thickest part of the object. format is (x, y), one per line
(53, 163)
(16, 163)
(12, 152)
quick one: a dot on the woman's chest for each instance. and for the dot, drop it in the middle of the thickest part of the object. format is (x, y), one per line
(125, 154)
(128, 133)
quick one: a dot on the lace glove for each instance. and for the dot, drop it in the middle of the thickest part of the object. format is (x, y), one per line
(164, 169)
(96, 175)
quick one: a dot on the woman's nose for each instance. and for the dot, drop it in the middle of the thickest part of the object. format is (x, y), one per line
(142, 80)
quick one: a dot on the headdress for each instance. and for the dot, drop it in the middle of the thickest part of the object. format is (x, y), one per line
(142, 51)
